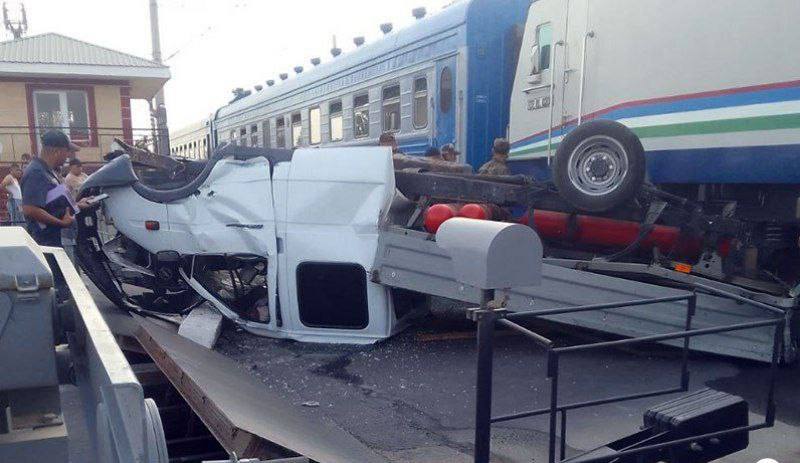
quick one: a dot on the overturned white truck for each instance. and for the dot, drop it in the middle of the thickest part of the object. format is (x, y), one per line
(329, 245)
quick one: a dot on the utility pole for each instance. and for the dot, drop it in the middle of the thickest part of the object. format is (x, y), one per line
(17, 28)
(160, 110)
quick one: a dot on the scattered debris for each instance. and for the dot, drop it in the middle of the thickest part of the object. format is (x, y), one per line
(202, 325)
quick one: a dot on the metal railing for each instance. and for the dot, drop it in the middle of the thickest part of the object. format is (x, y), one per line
(17, 140)
(488, 319)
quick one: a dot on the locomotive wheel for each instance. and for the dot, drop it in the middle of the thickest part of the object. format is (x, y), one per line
(599, 166)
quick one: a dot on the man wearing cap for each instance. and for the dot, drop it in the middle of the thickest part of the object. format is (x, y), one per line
(497, 165)
(45, 200)
(449, 153)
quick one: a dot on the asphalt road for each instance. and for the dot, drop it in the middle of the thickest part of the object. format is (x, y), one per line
(411, 398)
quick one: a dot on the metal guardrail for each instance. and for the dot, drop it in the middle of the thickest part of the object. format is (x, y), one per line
(125, 427)
(18, 139)
(488, 319)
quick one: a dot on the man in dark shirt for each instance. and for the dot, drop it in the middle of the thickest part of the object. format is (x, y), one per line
(46, 216)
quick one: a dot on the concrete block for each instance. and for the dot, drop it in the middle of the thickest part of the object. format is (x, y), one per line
(202, 325)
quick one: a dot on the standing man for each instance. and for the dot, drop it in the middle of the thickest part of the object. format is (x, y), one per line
(75, 177)
(498, 164)
(11, 185)
(45, 201)
(73, 180)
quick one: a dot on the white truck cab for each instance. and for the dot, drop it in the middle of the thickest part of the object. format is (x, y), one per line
(701, 92)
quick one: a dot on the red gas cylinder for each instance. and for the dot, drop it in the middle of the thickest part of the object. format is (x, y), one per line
(476, 211)
(599, 231)
(438, 214)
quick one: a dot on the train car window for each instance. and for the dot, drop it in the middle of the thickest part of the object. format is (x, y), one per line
(391, 108)
(446, 90)
(254, 135)
(361, 116)
(297, 130)
(335, 115)
(265, 134)
(314, 126)
(280, 132)
(420, 107)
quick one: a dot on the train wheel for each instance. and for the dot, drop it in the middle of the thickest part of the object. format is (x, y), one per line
(599, 166)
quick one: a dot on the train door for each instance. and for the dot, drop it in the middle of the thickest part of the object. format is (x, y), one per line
(445, 102)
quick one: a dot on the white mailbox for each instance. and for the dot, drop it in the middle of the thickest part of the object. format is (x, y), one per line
(492, 255)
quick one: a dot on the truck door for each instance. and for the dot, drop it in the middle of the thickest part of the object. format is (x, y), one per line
(445, 102)
(544, 70)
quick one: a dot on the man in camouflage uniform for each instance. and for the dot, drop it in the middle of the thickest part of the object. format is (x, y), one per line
(498, 164)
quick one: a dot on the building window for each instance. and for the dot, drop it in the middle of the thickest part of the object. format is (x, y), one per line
(391, 108)
(280, 132)
(297, 130)
(361, 116)
(446, 90)
(66, 110)
(335, 114)
(420, 108)
(265, 133)
(232, 138)
(314, 125)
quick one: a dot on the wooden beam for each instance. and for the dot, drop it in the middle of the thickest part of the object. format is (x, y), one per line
(243, 414)
(232, 438)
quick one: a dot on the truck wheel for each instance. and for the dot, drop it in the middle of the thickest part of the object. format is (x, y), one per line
(599, 166)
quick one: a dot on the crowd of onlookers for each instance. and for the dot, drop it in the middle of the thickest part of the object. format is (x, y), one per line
(71, 173)
(497, 165)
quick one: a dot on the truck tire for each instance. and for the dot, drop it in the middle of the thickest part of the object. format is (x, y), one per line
(599, 166)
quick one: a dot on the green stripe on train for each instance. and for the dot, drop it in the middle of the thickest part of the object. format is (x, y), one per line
(748, 124)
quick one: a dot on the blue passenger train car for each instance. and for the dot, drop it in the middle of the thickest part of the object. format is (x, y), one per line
(447, 78)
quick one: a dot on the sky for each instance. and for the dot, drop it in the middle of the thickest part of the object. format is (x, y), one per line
(213, 46)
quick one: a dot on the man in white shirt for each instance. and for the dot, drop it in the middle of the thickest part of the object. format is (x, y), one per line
(73, 181)
(75, 177)
(11, 185)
